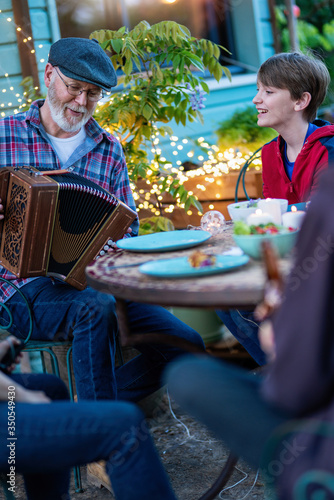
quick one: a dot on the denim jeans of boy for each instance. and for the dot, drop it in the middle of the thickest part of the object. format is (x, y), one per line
(53, 437)
(244, 328)
(61, 312)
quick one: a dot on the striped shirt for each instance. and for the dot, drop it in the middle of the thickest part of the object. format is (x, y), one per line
(100, 158)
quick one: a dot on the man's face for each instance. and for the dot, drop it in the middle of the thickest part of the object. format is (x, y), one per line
(69, 112)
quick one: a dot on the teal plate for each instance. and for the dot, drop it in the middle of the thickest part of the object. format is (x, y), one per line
(163, 242)
(181, 268)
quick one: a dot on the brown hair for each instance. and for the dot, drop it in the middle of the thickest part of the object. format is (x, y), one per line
(297, 73)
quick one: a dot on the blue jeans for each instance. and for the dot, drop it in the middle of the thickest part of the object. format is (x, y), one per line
(244, 328)
(88, 317)
(228, 401)
(52, 438)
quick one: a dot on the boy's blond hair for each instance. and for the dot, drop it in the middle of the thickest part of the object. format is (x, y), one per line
(297, 73)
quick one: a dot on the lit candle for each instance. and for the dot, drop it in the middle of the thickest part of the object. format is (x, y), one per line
(258, 218)
(272, 207)
(294, 218)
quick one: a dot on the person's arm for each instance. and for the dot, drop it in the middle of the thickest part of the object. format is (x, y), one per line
(317, 174)
(267, 340)
(10, 389)
(301, 378)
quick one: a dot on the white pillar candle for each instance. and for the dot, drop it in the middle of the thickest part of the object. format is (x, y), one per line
(294, 218)
(272, 207)
(258, 218)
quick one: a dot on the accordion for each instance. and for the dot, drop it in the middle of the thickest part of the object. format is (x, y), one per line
(56, 223)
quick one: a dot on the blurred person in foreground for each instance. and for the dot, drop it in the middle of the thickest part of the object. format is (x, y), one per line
(296, 387)
(43, 435)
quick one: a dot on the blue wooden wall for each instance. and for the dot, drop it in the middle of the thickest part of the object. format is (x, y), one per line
(45, 28)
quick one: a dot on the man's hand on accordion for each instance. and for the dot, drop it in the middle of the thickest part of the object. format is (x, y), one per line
(1, 210)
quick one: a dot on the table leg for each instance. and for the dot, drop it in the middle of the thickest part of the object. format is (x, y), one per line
(222, 479)
(128, 339)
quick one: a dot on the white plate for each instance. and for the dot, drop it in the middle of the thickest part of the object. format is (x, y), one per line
(162, 242)
(181, 268)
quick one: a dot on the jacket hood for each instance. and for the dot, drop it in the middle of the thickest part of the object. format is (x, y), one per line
(326, 129)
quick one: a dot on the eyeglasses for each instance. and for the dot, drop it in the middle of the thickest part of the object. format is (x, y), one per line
(75, 90)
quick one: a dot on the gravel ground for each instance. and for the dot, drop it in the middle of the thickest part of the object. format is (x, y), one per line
(192, 457)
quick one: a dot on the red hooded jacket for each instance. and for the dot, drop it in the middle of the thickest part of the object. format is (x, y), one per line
(316, 155)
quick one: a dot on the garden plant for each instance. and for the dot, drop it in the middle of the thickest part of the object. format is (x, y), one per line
(162, 71)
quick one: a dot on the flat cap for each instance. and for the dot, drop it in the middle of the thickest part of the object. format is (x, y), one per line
(83, 59)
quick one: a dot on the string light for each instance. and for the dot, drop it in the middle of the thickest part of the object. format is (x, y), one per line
(209, 172)
(20, 98)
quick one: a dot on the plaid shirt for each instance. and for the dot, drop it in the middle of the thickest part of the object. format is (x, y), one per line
(24, 142)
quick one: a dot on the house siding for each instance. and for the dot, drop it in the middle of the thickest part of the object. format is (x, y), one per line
(45, 30)
(253, 44)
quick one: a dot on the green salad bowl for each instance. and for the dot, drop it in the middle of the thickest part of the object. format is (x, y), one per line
(251, 243)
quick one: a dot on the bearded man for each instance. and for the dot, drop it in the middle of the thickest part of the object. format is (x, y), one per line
(60, 133)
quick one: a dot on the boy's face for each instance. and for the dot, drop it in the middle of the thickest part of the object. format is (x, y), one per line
(275, 107)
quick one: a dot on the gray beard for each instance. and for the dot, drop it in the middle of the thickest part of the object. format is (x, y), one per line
(57, 111)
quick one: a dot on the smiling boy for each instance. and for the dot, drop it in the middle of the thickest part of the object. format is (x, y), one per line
(291, 87)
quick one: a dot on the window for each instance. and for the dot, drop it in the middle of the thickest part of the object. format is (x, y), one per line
(209, 19)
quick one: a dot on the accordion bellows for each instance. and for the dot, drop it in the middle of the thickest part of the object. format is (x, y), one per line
(55, 225)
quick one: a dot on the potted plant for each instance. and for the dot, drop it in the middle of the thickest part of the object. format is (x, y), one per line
(161, 70)
(241, 131)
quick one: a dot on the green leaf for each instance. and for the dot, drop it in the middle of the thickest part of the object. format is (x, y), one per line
(206, 58)
(183, 118)
(127, 68)
(181, 67)
(184, 104)
(136, 61)
(147, 111)
(218, 71)
(176, 62)
(179, 77)
(212, 65)
(177, 98)
(165, 130)
(205, 86)
(160, 75)
(194, 60)
(196, 203)
(216, 51)
(210, 48)
(105, 44)
(227, 73)
(117, 45)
